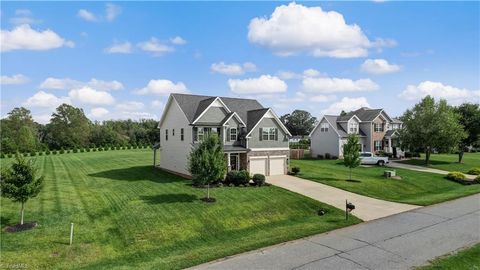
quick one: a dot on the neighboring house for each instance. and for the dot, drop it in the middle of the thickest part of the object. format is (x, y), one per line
(254, 138)
(376, 130)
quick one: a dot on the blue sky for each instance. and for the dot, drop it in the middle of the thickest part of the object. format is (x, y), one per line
(122, 59)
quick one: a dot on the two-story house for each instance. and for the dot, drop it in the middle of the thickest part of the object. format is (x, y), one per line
(376, 130)
(253, 137)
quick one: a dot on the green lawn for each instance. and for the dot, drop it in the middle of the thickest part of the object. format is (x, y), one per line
(449, 162)
(467, 259)
(415, 187)
(130, 215)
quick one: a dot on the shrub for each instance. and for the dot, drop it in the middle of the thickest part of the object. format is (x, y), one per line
(129, 147)
(68, 151)
(112, 148)
(75, 150)
(258, 179)
(320, 157)
(229, 177)
(87, 149)
(474, 171)
(334, 157)
(9, 155)
(62, 151)
(40, 153)
(477, 179)
(54, 152)
(47, 152)
(2, 155)
(295, 170)
(237, 178)
(118, 147)
(94, 149)
(33, 153)
(412, 154)
(455, 176)
(327, 156)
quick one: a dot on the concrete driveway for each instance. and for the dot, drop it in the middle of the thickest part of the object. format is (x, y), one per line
(394, 164)
(366, 208)
(401, 241)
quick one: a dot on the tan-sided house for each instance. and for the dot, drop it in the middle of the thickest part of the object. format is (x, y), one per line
(254, 138)
(376, 130)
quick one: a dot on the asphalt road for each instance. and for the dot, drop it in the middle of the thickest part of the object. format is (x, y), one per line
(400, 241)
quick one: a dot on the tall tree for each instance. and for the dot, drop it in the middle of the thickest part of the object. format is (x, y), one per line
(69, 127)
(299, 122)
(351, 153)
(470, 119)
(20, 182)
(19, 131)
(207, 162)
(429, 126)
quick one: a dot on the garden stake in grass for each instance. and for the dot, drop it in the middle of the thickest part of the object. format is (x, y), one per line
(71, 233)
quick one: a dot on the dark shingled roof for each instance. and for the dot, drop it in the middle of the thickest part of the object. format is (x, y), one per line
(343, 133)
(194, 105)
(364, 114)
(254, 116)
(389, 133)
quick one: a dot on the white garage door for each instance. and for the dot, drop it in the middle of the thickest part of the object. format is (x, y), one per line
(258, 165)
(277, 165)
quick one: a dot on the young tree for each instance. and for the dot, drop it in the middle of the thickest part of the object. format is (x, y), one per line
(299, 122)
(207, 162)
(470, 119)
(431, 126)
(351, 153)
(19, 182)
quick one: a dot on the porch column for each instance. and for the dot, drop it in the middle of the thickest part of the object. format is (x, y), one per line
(228, 162)
(390, 150)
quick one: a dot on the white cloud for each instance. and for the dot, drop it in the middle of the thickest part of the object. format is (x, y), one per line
(379, 66)
(112, 11)
(438, 90)
(23, 16)
(337, 85)
(67, 83)
(157, 104)
(162, 87)
(322, 98)
(265, 84)
(155, 47)
(23, 37)
(178, 40)
(14, 79)
(233, 69)
(43, 99)
(289, 75)
(130, 106)
(42, 118)
(294, 28)
(87, 95)
(347, 104)
(97, 113)
(311, 73)
(134, 115)
(119, 47)
(87, 15)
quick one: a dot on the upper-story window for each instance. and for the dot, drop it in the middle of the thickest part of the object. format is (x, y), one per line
(166, 134)
(173, 132)
(378, 127)
(353, 128)
(324, 127)
(268, 134)
(200, 134)
(233, 134)
(182, 134)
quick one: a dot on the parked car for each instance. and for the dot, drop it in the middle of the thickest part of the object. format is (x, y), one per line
(370, 158)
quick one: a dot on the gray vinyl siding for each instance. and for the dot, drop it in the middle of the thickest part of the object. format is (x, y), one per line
(174, 152)
(254, 141)
(233, 122)
(367, 128)
(324, 142)
(213, 115)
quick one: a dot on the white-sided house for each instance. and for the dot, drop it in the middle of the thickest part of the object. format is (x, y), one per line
(376, 131)
(254, 138)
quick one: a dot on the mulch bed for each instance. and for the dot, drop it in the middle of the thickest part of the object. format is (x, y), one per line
(19, 227)
(208, 200)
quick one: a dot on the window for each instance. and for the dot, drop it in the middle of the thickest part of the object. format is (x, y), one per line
(378, 127)
(173, 132)
(200, 134)
(166, 134)
(181, 134)
(353, 127)
(378, 145)
(268, 134)
(233, 134)
(324, 127)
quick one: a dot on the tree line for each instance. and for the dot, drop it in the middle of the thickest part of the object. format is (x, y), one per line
(69, 128)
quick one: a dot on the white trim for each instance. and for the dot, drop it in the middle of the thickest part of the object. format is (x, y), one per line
(380, 113)
(210, 105)
(236, 134)
(258, 157)
(284, 156)
(270, 149)
(236, 116)
(276, 119)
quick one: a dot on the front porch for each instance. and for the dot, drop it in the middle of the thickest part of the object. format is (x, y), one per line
(236, 158)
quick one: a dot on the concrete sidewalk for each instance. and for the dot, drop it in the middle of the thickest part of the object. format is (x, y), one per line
(366, 208)
(400, 165)
(401, 241)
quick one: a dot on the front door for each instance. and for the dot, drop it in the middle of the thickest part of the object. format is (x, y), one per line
(234, 162)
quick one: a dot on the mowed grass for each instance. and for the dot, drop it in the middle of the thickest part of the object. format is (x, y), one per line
(467, 259)
(449, 162)
(128, 215)
(414, 188)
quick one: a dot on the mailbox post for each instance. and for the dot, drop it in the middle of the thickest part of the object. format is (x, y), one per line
(349, 207)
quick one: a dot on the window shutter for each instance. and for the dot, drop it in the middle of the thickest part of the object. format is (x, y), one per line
(228, 134)
(195, 134)
(261, 133)
(276, 134)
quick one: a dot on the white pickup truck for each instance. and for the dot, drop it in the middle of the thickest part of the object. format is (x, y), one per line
(370, 158)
